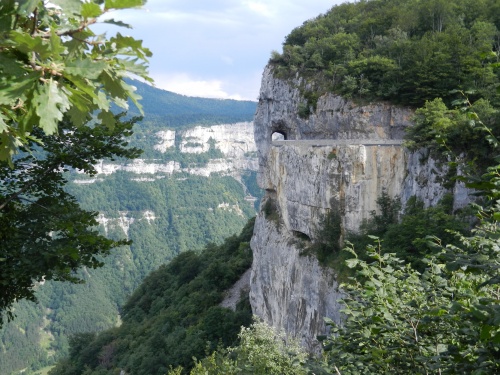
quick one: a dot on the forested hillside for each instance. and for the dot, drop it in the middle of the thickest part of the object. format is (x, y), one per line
(399, 50)
(173, 316)
(167, 109)
(163, 214)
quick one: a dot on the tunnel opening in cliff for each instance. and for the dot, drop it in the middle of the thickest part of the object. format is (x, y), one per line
(301, 235)
(278, 136)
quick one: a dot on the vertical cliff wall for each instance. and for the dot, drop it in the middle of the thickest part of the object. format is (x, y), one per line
(339, 159)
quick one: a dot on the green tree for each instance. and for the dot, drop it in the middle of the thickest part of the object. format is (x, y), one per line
(433, 124)
(263, 350)
(401, 321)
(58, 82)
(44, 233)
(53, 65)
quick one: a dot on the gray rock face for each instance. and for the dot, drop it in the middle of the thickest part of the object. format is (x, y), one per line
(423, 180)
(290, 291)
(309, 182)
(334, 118)
(235, 141)
(305, 180)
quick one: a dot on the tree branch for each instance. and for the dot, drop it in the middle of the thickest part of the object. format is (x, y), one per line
(32, 182)
(35, 20)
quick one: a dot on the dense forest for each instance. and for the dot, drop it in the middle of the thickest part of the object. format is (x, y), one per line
(403, 51)
(173, 316)
(164, 217)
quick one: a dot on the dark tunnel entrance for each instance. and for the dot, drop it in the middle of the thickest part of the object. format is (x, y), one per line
(278, 136)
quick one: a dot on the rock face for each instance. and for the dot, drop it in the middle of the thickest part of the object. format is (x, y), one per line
(235, 141)
(339, 159)
(288, 290)
(124, 220)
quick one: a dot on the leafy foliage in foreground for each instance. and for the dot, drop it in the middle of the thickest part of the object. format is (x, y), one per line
(44, 233)
(398, 320)
(53, 66)
(173, 316)
(262, 350)
(57, 82)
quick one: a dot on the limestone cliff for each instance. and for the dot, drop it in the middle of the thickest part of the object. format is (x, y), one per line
(234, 141)
(236, 157)
(340, 158)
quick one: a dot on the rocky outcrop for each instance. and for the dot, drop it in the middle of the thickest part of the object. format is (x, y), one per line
(288, 290)
(334, 118)
(341, 158)
(235, 293)
(166, 140)
(423, 179)
(234, 141)
(310, 181)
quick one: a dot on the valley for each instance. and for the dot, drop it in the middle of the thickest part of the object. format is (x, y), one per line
(193, 184)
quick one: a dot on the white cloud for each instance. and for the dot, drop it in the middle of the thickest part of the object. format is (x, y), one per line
(259, 8)
(182, 83)
(219, 45)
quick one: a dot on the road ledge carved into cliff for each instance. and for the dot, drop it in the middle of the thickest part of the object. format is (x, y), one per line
(340, 142)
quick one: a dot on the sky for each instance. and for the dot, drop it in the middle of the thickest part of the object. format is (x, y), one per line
(216, 48)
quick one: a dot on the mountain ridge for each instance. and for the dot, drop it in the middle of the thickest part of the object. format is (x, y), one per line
(179, 111)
